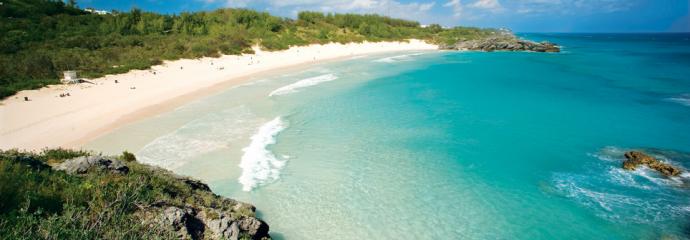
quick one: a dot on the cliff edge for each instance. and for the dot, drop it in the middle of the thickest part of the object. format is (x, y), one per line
(64, 194)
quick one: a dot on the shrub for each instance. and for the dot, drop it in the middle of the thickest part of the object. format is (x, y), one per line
(128, 157)
(60, 154)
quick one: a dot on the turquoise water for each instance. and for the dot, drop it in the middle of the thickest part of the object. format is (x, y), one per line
(448, 145)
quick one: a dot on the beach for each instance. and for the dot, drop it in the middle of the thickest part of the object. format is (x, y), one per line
(478, 145)
(100, 105)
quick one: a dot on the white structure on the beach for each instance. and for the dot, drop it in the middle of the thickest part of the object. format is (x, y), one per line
(94, 11)
(70, 77)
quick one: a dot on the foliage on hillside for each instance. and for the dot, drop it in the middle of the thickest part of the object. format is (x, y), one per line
(37, 202)
(41, 38)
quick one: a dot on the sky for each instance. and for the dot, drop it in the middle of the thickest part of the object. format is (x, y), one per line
(517, 15)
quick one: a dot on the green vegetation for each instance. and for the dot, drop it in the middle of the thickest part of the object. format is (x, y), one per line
(128, 156)
(41, 38)
(37, 202)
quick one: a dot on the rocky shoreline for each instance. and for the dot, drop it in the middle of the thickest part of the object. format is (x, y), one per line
(502, 43)
(124, 199)
(224, 219)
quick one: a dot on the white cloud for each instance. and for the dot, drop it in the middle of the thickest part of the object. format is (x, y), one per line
(232, 3)
(487, 4)
(426, 6)
(572, 6)
(457, 7)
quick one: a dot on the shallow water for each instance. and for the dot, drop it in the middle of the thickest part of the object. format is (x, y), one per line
(447, 145)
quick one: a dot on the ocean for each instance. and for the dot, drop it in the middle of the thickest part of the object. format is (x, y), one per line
(447, 145)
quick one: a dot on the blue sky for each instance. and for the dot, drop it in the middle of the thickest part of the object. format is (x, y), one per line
(519, 15)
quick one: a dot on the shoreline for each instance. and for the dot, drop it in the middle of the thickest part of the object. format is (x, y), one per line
(92, 110)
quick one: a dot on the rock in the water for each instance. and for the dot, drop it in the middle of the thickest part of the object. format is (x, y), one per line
(636, 158)
(503, 43)
(81, 165)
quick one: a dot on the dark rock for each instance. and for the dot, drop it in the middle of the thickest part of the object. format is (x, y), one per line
(502, 43)
(32, 162)
(255, 227)
(81, 165)
(184, 222)
(636, 158)
(196, 184)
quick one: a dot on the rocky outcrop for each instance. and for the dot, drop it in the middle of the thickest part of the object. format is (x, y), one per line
(201, 215)
(198, 222)
(182, 221)
(502, 43)
(253, 226)
(224, 227)
(636, 158)
(81, 165)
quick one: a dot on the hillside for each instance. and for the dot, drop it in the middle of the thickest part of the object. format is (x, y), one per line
(64, 194)
(41, 38)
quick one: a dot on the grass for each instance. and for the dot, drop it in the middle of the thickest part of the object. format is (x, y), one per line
(37, 202)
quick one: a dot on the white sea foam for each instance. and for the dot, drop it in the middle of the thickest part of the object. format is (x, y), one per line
(626, 178)
(616, 206)
(203, 135)
(682, 99)
(610, 154)
(396, 58)
(259, 165)
(294, 87)
(640, 177)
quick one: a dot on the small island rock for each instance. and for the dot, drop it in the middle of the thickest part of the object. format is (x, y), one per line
(636, 158)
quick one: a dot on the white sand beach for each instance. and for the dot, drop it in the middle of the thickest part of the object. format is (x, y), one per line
(95, 108)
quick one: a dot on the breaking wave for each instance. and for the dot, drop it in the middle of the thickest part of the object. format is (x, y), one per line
(641, 196)
(303, 84)
(642, 177)
(610, 154)
(203, 135)
(397, 58)
(620, 207)
(682, 99)
(259, 165)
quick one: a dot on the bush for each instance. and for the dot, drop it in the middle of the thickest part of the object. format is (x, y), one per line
(128, 157)
(59, 154)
